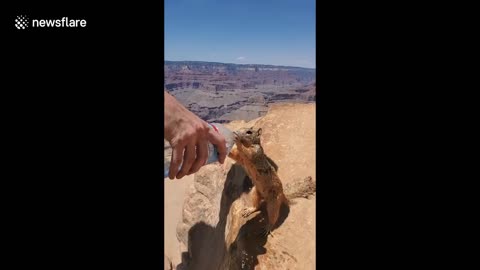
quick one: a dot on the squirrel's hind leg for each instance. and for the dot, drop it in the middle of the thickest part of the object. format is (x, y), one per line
(273, 210)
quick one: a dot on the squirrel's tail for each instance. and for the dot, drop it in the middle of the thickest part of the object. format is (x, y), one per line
(299, 189)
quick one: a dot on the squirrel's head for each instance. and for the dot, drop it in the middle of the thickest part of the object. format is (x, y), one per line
(248, 136)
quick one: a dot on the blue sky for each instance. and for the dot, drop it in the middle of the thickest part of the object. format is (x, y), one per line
(273, 32)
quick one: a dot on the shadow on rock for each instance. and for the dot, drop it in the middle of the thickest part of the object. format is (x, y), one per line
(250, 242)
(206, 244)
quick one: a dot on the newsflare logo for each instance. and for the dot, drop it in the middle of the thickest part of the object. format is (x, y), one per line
(22, 22)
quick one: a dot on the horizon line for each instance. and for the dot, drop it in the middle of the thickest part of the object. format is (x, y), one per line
(238, 64)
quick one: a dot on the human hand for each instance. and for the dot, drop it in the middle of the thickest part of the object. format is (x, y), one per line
(189, 136)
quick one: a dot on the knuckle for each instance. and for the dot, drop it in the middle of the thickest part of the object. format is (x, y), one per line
(205, 129)
(201, 130)
(190, 132)
(184, 139)
(188, 135)
(198, 127)
(177, 141)
(174, 143)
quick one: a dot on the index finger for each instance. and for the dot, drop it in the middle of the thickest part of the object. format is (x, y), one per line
(221, 144)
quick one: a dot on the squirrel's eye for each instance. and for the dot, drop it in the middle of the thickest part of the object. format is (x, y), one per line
(249, 132)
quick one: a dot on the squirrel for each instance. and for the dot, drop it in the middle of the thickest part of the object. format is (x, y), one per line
(263, 173)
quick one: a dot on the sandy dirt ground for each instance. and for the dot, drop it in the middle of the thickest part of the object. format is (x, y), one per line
(174, 198)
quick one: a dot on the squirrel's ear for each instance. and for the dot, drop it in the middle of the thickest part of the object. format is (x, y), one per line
(259, 131)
